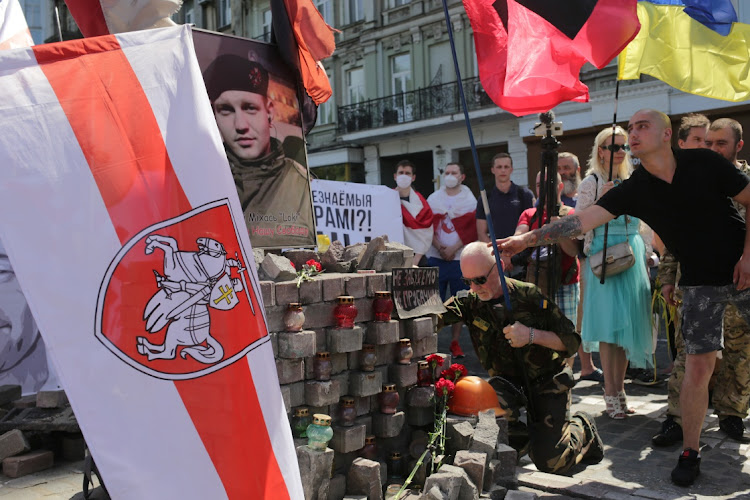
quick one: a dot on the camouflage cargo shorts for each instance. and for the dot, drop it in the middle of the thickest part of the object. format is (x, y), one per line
(702, 314)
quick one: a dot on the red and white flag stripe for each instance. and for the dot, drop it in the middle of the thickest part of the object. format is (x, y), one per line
(14, 32)
(104, 17)
(100, 140)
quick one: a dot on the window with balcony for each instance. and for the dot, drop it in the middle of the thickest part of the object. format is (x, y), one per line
(325, 7)
(356, 11)
(224, 13)
(392, 4)
(355, 85)
(400, 85)
(267, 25)
(327, 109)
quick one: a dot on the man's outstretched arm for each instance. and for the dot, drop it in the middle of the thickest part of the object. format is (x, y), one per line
(567, 227)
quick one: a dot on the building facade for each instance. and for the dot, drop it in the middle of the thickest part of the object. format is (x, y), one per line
(396, 92)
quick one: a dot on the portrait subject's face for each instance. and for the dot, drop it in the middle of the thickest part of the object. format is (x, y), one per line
(244, 120)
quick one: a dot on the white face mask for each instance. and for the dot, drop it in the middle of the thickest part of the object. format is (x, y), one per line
(403, 181)
(450, 181)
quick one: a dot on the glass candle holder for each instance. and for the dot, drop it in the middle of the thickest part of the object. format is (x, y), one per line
(294, 317)
(405, 352)
(424, 374)
(300, 421)
(322, 366)
(395, 465)
(382, 306)
(367, 358)
(370, 450)
(388, 399)
(319, 432)
(345, 312)
(347, 412)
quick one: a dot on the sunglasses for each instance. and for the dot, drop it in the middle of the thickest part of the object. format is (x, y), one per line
(616, 147)
(481, 280)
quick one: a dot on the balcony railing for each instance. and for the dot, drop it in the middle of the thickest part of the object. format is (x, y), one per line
(421, 104)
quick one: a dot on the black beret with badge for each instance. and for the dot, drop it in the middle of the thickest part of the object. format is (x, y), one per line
(231, 72)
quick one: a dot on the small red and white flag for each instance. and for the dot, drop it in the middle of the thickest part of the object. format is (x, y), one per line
(104, 17)
(14, 32)
(123, 225)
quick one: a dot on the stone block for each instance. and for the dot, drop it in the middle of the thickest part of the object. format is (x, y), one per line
(362, 405)
(458, 436)
(28, 401)
(365, 420)
(13, 443)
(345, 339)
(387, 260)
(73, 447)
(274, 339)
(298, 257)
(286, 397)
(421, 397)
(278, 268)
(388, 425)
(9, 393)
(492, 474)
(364, 310)
(419, 417)
(447, 483)
(434, 494)
(322, 393)
(363, 384)
(339, 362)
(333, 286)
(374, 246)
(385, 332)
(485, 434)
(296, 394)
(356, 285)
(473, 463)
(497, 492)
(425, 346)
(311, 291)
(385, 353)
(342, 462)
(296, 344)
(258, 256)
(502, 424)
(315, 470)
(343, 381)
(267, 292)
(520, 495)
(403, 375)
(330, 259)
(364, 479)
(337, 487)
(468, 490)
(507, 458)
(348, 439)
(375, 283)
(290, 370)
(417, 328)
(420, 476)
(286, 293)
(28, 463)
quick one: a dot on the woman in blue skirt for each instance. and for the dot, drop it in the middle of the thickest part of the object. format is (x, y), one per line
(616, 314)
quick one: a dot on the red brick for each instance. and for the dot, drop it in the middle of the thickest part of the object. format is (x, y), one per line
(28, 463)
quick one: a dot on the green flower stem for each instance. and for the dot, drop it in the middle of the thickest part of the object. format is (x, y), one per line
(434, 436)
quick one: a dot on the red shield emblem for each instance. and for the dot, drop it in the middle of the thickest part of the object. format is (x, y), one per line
(178, 301)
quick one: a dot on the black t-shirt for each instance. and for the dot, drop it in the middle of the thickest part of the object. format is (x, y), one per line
(694, 215)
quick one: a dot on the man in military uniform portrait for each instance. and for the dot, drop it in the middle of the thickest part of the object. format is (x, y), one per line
(274, 190)
(524, 351)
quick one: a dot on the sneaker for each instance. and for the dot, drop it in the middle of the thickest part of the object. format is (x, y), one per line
(595, 453)
(456, 351)
(732, 426)
(595, 376)
(647, 378)
(671, 433)
(688, 468)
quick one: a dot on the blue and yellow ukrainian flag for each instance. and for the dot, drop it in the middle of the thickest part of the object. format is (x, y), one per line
(693, 45)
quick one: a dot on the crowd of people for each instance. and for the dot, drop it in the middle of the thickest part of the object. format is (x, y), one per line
(631, 206)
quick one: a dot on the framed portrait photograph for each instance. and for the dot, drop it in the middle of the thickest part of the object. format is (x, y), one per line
(254, 99)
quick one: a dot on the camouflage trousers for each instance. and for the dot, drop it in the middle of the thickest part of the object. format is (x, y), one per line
(731, 383)
(554, 440)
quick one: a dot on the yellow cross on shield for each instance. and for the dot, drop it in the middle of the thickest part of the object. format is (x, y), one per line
(223, 296)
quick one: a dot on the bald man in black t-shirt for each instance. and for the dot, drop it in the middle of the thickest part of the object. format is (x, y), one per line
(712, 274)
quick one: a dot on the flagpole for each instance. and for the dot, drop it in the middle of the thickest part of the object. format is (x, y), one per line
(611, 168)
(57, 19)
(482, 191)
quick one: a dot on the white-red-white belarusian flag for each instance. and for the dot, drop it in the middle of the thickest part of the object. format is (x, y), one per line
(14, 32)
(121, 219)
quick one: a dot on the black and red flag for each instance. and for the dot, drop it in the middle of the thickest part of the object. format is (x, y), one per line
(530, 52)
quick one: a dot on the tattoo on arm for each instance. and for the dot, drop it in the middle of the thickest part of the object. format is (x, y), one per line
(565, 228)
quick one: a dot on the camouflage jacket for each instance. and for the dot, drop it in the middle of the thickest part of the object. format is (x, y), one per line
(669, 271)
(486, 320)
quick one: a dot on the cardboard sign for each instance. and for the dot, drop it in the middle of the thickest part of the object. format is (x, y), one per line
(416, 292)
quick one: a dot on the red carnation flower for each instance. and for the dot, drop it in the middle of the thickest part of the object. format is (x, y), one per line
(444, 388)
(435, 360)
